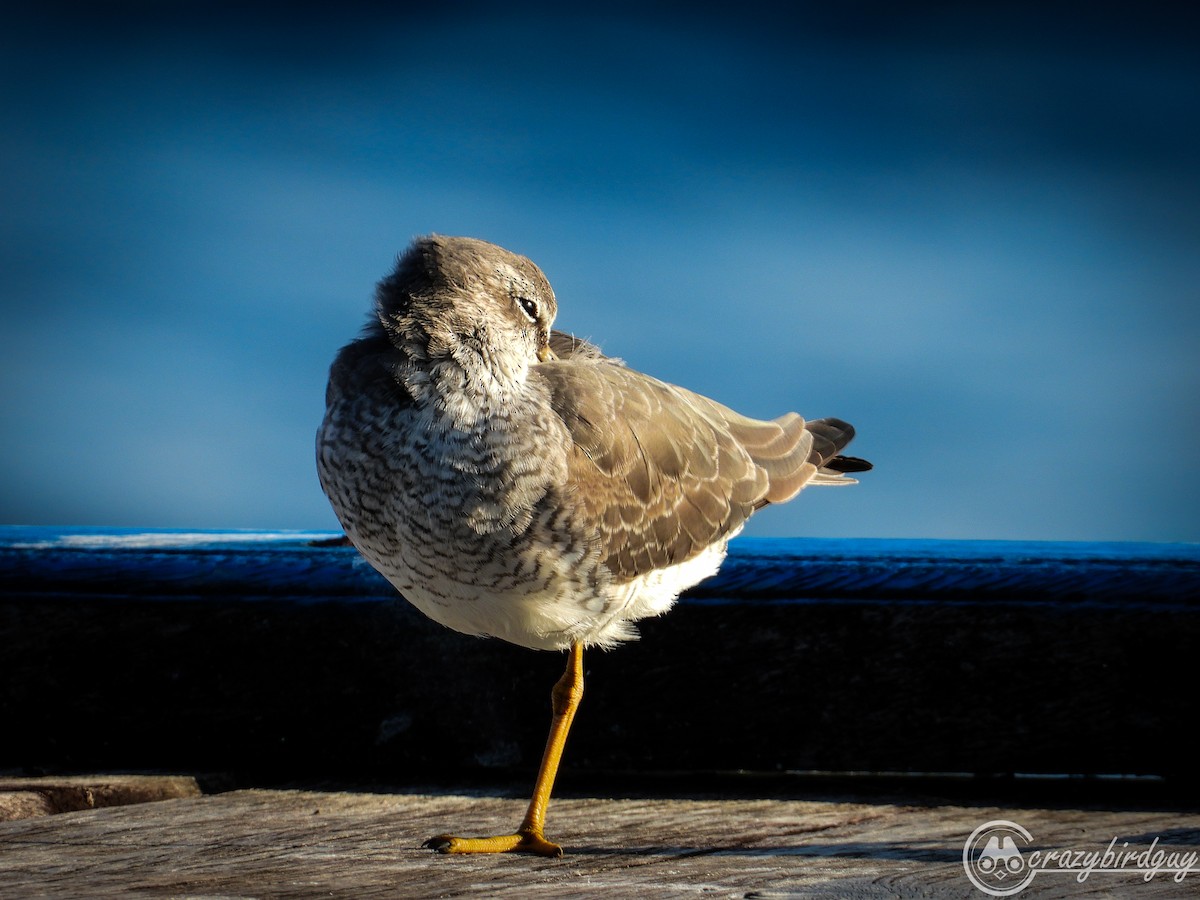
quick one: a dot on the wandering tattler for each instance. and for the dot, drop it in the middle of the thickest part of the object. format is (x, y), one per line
(512, 481)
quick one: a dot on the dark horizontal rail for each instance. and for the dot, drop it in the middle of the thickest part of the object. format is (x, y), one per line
(255, 564)
(271, 654)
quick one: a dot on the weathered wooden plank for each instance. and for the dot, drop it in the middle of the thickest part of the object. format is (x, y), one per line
(22, 798)
(299, 844)
(262, 655)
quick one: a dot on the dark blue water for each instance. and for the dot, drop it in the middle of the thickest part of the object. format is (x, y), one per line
(970, 231)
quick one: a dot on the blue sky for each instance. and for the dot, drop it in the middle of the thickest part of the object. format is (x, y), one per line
(970, 230)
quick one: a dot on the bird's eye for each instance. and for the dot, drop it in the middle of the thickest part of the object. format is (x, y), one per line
(530, 307)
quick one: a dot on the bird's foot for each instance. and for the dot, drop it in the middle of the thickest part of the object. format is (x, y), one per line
(521, 842)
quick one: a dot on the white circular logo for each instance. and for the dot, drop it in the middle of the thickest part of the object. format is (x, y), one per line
(993, 861)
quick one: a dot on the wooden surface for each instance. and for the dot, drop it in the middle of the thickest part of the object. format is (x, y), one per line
(24, 798)
(300, 844)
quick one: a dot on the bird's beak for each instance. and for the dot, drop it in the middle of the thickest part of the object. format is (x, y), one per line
(545, 354)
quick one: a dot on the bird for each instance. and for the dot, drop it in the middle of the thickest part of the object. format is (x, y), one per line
(512, 481)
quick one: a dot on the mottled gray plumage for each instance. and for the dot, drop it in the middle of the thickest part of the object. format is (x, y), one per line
(513, 481)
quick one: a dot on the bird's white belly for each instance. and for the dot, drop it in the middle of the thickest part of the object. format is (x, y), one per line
(550, 609)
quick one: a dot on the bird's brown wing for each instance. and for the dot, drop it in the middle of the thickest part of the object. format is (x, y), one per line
(660, 473)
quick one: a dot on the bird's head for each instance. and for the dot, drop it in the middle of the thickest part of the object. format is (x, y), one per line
(462, 298)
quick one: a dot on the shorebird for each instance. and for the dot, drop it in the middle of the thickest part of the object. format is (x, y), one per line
(512, 481)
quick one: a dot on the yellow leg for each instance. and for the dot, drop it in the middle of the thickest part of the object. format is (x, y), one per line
(564, 700)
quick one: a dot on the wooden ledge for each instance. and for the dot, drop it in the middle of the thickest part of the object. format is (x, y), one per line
(256, 843)
(22, 798)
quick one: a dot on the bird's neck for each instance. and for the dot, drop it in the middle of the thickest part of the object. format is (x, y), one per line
(465, 388)
(465, 374)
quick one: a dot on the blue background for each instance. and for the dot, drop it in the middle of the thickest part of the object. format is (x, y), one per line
(971, 230)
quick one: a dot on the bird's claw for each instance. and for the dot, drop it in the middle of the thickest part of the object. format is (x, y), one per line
(521, 842)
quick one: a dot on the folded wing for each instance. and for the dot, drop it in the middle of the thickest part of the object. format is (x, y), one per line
(660, 473)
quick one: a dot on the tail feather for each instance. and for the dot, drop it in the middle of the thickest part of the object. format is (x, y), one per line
(803, 453)
(848, 464)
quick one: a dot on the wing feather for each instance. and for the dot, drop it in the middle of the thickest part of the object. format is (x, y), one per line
(660, 473)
